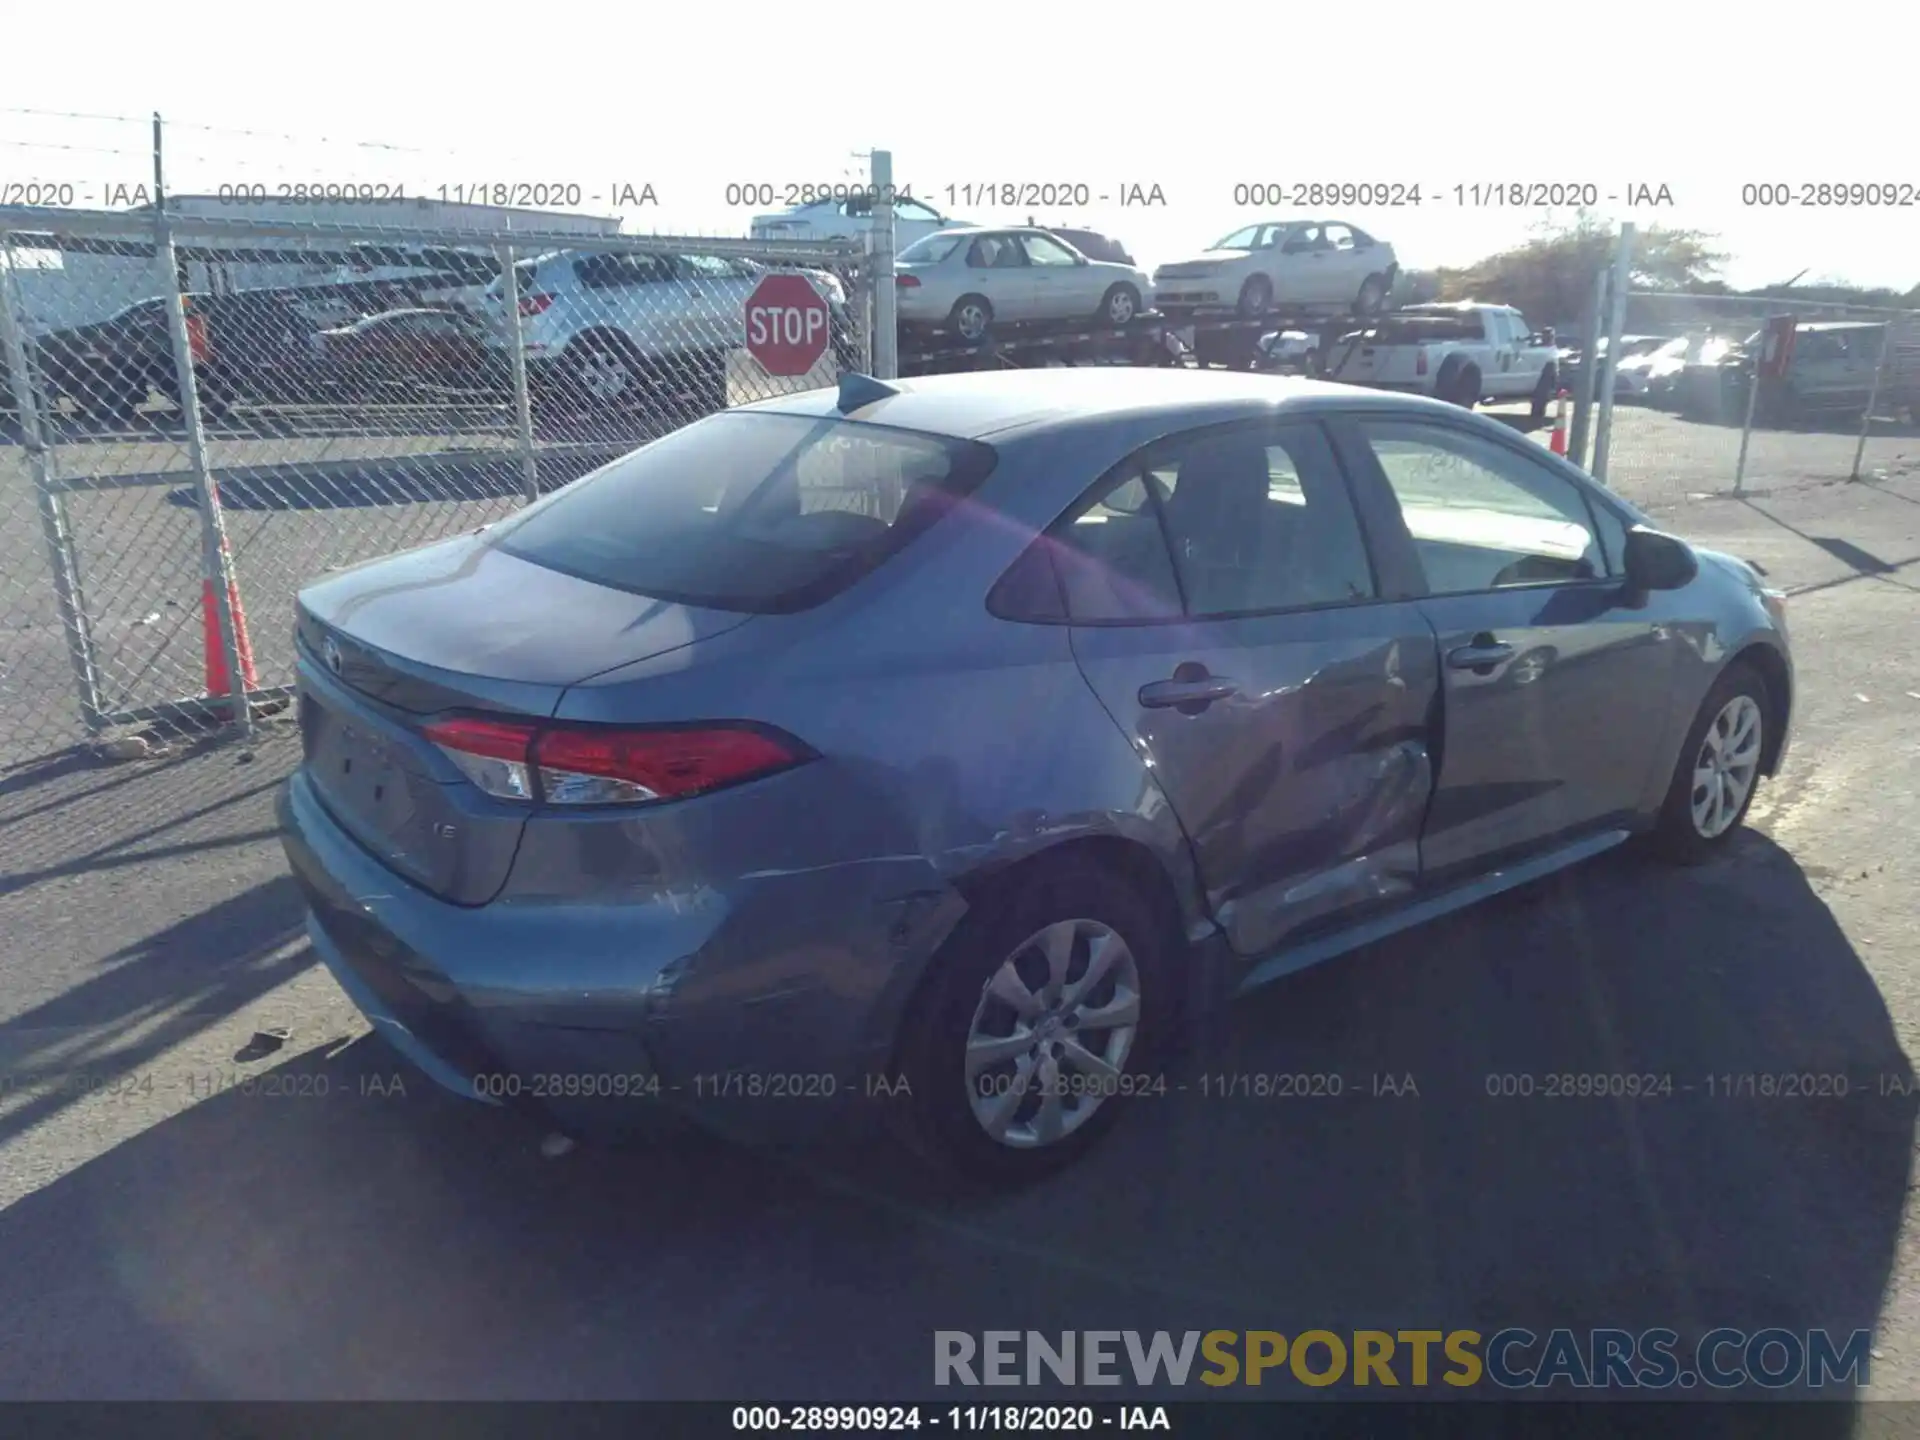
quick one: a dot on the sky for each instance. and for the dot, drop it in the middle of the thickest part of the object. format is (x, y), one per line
(689, 101)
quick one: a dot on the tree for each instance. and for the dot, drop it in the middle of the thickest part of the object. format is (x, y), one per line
(1550, 277)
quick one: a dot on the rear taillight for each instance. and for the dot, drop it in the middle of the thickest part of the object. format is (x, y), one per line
(907, 282)
(534, 304)
(1420, 362)
(603, 765)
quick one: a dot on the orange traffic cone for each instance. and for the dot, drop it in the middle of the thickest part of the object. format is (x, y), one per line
(218, 681)
(1558, 442)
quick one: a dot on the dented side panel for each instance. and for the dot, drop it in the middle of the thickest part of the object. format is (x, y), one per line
(1303, 793)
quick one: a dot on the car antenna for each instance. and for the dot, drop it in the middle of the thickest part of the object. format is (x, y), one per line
(857, 390)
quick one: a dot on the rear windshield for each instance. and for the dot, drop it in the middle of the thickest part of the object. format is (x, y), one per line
(758, 512)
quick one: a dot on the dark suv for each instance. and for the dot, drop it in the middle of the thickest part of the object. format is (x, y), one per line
(254, 346)
(1092, 244)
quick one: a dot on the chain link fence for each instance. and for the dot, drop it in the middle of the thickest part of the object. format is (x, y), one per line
(1688, 417)
(201, 414)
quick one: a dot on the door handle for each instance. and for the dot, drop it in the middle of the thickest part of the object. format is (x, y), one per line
(1482, 655)
(1182, 694)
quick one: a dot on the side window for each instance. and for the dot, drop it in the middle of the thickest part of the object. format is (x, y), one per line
(707, 267)
(1261, 520)
(615, 272)
(1482, 516)
(1042, 251)
(1340, 237)
(1111, 554)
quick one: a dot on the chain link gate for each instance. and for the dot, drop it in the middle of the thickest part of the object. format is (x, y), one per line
(1688, 419)
(204, 413)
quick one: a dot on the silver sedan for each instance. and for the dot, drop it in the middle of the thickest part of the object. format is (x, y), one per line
(969, 280)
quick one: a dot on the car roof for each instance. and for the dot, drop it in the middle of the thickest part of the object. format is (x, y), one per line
(974, 405)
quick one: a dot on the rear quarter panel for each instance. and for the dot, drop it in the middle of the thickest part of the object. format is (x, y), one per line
(950, 745)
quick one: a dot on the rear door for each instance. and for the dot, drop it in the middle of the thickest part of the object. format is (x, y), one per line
(997, 268)
(640, 295)
(1502, 375)
(1555, 691)
(1225, 612)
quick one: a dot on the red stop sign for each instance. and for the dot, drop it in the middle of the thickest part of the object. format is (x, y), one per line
(787, 325)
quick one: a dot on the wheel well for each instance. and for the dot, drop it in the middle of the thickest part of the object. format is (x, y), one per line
(1128, 859)
(613, 339)
(1773, 671)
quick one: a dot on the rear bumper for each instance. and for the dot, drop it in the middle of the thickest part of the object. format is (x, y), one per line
(764, 1010)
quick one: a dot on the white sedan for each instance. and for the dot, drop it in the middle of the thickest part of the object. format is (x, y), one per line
(850, 218)
(1322, 265)
(967, 280)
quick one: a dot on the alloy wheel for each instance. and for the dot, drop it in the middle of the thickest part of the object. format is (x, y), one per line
(1725, 768)
(1049, 1040)
(971, 322)
(604, 376)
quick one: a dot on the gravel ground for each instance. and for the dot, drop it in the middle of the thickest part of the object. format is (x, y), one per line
(177, 1236)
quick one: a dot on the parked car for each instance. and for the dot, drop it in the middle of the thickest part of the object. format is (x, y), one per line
(1667, 366)
(969, 280)
(422, 349)
(1308, 264)
(606, 329)
(1830, 373)
(1630, 375)
(250, 345)
(852, 219)
(1290, 350)
(1633, 372)
(1090, 243)
(1463, 353)
(961, 734)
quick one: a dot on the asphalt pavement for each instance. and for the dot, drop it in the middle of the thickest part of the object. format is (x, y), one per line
(172, 1226)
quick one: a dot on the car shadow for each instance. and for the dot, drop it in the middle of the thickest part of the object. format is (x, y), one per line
(341, 1238)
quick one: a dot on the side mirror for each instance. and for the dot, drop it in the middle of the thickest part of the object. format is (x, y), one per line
(1657, 561)
(1546, 335)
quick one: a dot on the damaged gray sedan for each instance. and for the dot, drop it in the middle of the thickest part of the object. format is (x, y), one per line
(939, 748)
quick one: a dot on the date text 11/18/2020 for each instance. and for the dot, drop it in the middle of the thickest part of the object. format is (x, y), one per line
(813, 1419)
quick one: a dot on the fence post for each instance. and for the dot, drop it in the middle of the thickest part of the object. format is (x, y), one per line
(1873, 396)
(1753, 399)
(886, 346)
(1616, 322)
(61, 560)
(517, 361)
(1583, 380)
(216, 561)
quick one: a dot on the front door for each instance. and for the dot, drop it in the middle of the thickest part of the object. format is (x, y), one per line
(1062, 286)
(1227, 616)
(1555, 690)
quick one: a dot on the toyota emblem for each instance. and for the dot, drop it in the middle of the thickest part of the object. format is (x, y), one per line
(331, 650)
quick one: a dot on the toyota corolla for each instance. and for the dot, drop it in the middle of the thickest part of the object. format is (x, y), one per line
(957, 740)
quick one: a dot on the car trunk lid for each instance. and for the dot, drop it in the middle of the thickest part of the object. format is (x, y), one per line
(455, 628)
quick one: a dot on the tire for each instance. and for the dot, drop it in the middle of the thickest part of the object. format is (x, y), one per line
(947, 1123)
(1121, 304)
(1256, 297)
(1458, 383)
(605, 375)
(1684, 834)
(1373, 295)
(1544, 392)
(972, 317)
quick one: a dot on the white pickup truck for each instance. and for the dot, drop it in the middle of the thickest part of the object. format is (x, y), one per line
(1465, 353)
